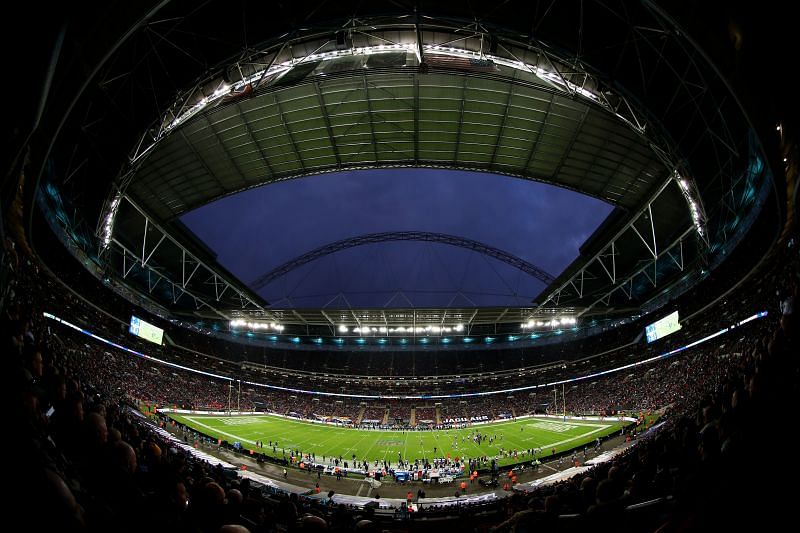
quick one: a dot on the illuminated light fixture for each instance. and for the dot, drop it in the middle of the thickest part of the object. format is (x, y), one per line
(240, 323)
(552, 77)
(342, 328)
(689, 195)
(223, 89)
(423, 340)
(108, 223)
(400, 329)
(382, 329)
(778, 127)
(459, 327)
(445, 341)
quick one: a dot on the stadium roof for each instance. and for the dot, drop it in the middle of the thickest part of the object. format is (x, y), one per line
(379, 108)
(612, 100)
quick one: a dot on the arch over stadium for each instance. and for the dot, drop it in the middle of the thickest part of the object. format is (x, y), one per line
(419, 236)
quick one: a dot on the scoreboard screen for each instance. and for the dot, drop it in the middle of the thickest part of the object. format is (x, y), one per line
(146, 330)
(661, 328)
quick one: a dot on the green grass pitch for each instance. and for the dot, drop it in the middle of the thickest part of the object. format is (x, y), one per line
(331, 441)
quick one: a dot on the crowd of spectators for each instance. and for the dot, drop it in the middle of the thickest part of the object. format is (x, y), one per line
(707, 466)
(374, 413)
(425, 413)
(84, 451)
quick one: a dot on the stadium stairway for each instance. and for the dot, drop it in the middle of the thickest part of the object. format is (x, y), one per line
(413, 418)
(360, 416)
(386, 416)
(438, 414)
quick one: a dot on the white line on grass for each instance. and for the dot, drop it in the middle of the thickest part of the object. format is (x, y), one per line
(216, 430)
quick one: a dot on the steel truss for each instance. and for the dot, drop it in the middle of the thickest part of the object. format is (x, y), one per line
(599, 278)
(160, 260)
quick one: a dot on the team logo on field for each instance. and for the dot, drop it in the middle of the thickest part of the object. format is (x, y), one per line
(558, 427)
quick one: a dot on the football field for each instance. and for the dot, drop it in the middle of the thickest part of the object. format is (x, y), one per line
(503, 438)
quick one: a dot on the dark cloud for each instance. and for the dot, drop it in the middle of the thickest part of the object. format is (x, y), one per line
(257, 230)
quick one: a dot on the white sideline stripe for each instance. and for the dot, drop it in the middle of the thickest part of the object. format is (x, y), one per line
(215, 430)
(601, 428)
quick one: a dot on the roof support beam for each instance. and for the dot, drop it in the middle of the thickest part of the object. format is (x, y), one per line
(289, 131)
(612, 249)
(180, 271)
(324, 110)
(371, 118)
(177, 290)
(502, 123)
(644, 270)
(261, 152)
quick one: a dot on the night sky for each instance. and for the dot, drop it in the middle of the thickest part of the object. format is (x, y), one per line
(255, 231)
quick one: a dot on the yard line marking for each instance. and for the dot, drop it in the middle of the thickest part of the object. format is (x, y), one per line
(220, 431)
